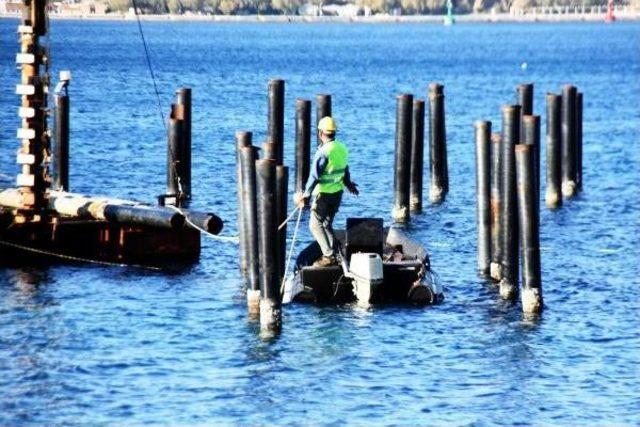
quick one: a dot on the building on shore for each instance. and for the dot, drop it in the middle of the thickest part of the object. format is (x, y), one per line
(78, 8)
(67, 8)
(346, 10)
(10, 7)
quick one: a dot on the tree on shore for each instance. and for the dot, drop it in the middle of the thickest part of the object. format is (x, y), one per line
(408, 7)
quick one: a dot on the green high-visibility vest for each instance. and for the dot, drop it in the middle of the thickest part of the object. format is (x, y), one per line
(332, 179)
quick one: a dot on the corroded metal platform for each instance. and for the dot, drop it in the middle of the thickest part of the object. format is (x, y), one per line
(75, 240)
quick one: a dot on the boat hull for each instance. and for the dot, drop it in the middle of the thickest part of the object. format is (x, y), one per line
(407, 275)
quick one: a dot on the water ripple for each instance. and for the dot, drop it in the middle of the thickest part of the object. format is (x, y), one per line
(93, 345)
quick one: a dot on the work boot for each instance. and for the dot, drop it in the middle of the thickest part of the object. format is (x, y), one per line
(325, 261)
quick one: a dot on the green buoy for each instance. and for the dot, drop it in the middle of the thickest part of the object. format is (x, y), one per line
(449, 19)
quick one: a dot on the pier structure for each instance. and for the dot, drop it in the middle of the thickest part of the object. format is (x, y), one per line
(33, 156)
(41, 222)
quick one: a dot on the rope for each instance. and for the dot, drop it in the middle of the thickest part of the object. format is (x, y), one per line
(289, 218)
(146, 52)
(293, 242)
(75, 258)
(155, 87)
(230, 239)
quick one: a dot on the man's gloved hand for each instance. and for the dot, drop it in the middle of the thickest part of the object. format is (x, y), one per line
(300, 201)
(353, 188)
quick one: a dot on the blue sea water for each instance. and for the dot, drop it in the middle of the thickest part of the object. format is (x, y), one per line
(98, 345)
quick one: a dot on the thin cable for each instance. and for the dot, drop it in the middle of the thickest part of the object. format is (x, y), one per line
(146, 52)
(293, 242)
(289, 218)
(75, 258)
(155, 87)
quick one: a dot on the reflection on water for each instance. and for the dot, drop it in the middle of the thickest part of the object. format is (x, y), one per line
(97, 345)
(32, 328)
(25, 287)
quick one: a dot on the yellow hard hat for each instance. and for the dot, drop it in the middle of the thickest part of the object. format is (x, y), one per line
(327, 124)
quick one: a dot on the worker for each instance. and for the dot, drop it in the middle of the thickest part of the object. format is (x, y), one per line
(328, 177)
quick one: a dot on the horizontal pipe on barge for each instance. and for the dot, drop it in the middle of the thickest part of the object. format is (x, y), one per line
(118, 211)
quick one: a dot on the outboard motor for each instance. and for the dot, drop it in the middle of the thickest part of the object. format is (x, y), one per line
(365, 269)
(364, 245)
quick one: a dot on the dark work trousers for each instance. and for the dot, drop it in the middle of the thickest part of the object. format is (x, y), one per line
(323, 210)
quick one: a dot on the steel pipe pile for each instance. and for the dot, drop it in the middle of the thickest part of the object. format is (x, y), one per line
(282, 186)
(417, 156)
(528, 219)
(568, 144)
(438, 165)
(250, 226)
(483, 194)
(510, 137)
(531, 136)
(270, 303)
(303, 143)
(275, 130)
(183, 98)
(553, 195)
(175, 194)
(496, 206)
(579, 106)
(524, 98)
(402, 162)
(243, 139)
(61, 134)
(323, 109)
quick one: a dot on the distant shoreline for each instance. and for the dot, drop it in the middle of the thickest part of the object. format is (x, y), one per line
(373, 19)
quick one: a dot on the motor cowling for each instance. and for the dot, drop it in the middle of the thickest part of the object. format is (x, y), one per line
(365, 269)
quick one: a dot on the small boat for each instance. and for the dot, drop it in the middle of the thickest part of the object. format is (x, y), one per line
(377, 265)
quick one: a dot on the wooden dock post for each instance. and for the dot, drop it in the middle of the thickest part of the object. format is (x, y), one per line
(303, 143)
(497, 199)
(276, 117)
(61, 134)
(323, 109)
(528, 218)
(270, 302)
(183, 98)
(402, 168)
(417, 156)
(483, 195)
(510, 136)
(568, 141)
(250, 226)
(439, 183)
(553, 196)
